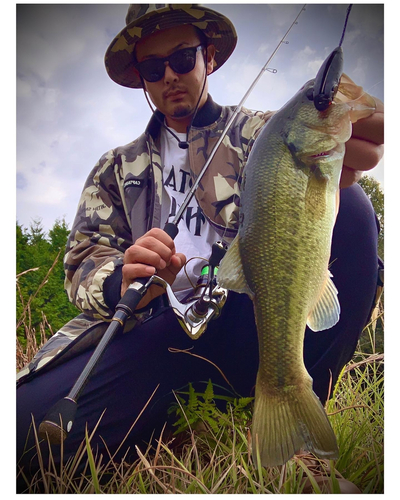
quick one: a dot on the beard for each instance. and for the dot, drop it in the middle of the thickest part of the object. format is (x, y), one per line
(182, 111)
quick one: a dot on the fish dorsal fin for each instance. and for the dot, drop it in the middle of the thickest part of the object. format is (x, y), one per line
(326, 311)
(230, 272)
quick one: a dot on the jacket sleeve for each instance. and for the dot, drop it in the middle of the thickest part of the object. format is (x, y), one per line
(99, 237)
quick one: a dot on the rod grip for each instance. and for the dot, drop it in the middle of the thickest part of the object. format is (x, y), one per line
(132, 296)
(171, 229)
(134, 293)
(58, 421)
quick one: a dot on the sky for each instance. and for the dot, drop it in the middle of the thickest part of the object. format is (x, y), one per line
(69, 112)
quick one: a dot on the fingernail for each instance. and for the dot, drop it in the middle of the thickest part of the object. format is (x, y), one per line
(150, 270)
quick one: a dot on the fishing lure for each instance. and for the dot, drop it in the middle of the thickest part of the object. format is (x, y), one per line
(328, 76)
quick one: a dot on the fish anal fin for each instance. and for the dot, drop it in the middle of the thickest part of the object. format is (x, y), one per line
(230, 272)
(290, 420)
(326, 312)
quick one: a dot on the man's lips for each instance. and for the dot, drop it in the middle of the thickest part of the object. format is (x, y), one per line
(176, 94)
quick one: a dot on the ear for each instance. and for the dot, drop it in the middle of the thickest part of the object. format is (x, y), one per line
(210, 59)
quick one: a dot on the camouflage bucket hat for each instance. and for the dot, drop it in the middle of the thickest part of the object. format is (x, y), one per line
(143, 20)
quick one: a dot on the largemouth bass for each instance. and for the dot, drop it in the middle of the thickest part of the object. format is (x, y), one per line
(280, 257)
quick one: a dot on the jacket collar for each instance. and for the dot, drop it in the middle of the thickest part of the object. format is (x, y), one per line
(206, 115)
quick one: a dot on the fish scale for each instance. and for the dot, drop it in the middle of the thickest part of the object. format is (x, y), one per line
(280, 258)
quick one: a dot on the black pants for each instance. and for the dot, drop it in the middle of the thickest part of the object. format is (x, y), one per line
(137, 361)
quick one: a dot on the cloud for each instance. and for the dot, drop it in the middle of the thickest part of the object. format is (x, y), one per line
(352, 35)
(367, 22)
(264, 47)
(359, 71)
(282, 15)
(69, 112)
(304, 64)
(43, 189)
(248, 72)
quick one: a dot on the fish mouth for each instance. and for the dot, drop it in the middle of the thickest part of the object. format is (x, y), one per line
(320, 155)
(332, 153)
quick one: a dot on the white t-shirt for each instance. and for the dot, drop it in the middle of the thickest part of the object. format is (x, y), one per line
(195, 236)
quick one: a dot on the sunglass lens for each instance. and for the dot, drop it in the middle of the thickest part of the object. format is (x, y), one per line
(183, 60)
(152, 70)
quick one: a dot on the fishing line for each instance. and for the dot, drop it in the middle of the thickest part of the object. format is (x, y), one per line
(345, 24)
(185, 270)
(368, 90)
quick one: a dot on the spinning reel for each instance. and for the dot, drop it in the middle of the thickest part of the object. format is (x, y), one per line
(206, 303)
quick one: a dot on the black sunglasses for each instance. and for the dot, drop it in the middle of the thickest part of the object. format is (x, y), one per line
(181, 61)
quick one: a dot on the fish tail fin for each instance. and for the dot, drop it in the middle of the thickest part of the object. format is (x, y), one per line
(285, 422)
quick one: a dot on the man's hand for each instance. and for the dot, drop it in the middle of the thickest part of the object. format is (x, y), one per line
(154, 252)
(364, 149)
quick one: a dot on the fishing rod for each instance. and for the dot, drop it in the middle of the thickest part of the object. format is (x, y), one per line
(229, 123)
(193, 316)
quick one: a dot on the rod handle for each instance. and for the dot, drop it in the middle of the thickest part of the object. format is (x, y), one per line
(135, 292)
(171, 229)
(132, 296)
(58, 421)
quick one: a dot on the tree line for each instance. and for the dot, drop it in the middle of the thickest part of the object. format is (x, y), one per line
(40, 277)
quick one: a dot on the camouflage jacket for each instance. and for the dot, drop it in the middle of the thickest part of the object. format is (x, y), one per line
(121, 201)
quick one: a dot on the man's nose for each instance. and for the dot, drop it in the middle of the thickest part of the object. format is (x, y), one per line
(170, 75)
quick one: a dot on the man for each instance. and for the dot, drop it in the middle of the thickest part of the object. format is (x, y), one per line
(117, 238)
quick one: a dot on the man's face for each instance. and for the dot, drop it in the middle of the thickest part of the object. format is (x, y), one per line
(176, 95)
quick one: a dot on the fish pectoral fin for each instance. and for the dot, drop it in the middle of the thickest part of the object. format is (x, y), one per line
(230, 272)
(326, 312)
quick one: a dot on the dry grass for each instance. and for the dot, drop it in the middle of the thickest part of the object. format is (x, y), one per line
(27, 348)
(218, 460)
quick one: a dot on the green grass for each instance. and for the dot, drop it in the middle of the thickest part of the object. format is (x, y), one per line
(211, 453)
